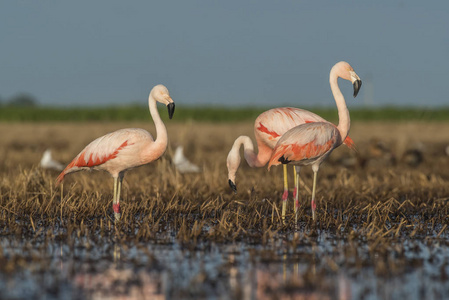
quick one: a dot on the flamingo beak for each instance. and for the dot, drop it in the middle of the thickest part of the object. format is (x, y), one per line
(233, 187)
(171, 109)
(356, 84)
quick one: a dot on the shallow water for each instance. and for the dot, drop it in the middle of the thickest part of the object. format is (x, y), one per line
(286, 267)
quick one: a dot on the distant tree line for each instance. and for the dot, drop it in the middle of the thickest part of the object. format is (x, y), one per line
(20, 100)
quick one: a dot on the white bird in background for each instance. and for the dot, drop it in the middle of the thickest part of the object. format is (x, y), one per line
(182, 164)
(47, 162)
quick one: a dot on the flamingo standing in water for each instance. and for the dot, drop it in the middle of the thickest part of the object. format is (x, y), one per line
(268, 128)
(125, 149)
(311, 143)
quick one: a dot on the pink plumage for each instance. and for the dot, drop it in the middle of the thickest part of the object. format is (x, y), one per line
(269, 127)
(124, 149)
(115, 152)
(306, 144)
(272, 124)
(311, 143)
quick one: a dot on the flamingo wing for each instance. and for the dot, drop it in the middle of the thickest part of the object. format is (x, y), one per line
(305, 143)
(100, 151)
(272, 124)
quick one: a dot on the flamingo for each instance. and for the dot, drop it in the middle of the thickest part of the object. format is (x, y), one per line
(311, 143)
(268, 128)
(124, 149)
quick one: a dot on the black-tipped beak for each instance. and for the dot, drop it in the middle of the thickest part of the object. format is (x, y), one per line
(233, 187)
(357, 84)
(171, 109)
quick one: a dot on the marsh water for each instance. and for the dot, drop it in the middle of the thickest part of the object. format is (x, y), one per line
(288, 266)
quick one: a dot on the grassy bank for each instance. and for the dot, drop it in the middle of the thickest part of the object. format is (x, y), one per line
(209, 114)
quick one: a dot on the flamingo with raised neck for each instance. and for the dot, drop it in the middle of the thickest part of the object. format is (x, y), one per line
(124, 149)
(269, 126)
(310, 144)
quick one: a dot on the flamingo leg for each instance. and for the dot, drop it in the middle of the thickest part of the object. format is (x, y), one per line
(295, 190)
(296, 193)
(62, 198)
(313, 204)
(115, 203)
(285, 194)
(118, 213)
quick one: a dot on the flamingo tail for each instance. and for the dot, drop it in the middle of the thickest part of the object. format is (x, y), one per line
(350, 144)
(60, 178)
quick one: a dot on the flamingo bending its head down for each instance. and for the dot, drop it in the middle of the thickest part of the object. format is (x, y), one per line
(311, 143)
(268, 129)
(125, 149)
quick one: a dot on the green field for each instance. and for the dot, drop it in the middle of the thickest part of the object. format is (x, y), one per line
(214, 114)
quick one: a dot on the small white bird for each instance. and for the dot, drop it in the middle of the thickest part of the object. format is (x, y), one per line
(182, 163)
(47, 162)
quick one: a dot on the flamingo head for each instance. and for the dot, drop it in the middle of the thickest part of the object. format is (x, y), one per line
(345, 71)
(233, 162)
(160, 94)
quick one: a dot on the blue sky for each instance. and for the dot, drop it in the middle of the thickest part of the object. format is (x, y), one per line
(259, 53)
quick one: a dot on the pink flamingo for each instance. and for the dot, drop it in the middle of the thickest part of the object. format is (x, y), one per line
(124, 149)
(311, 143)
(268, 128)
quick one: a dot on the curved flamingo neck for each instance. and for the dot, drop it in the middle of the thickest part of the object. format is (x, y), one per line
(344, 121)
(254, 160)
(160, 144)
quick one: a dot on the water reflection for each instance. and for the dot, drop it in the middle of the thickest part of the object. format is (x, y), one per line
(116, 283)
(100, 269)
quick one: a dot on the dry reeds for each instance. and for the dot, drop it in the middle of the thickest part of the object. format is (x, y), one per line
(358, 201)
(376, 211)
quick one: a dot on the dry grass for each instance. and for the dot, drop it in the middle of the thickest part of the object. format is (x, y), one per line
(371, 205)
(377, 196)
